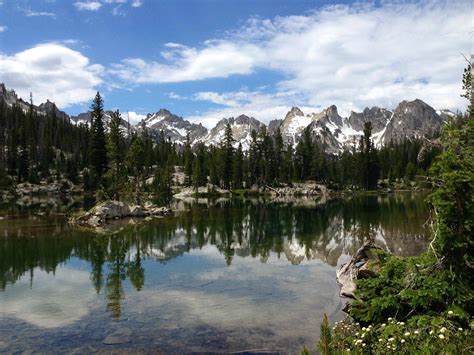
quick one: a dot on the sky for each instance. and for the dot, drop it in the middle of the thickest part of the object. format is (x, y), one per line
(208, 59)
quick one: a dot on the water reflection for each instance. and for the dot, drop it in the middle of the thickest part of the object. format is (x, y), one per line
(240, 268)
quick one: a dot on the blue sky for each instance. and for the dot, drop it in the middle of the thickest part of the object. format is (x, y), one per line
(205, 59)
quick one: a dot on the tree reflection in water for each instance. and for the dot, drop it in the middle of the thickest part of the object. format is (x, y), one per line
(296, 230)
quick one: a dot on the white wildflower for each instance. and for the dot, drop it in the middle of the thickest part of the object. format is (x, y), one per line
(443, 330)
(391, 339)
(403, 340)
(416, 332)
(407, 334)
(431, 332)
(383, 324)
(460, 329)
(441, 336)
(450, 312)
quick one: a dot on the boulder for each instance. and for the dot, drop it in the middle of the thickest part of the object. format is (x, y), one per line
(357, 267)
(137, 211)
(111, 210)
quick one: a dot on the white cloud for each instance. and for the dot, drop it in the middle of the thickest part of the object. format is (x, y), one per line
(263, 106)
(31, 13)
(219, 59)
(134, 117)
(175, 96)
(3, 28)
(136, 3)
(352, 56)
(88, 6)
(51, 71)
(44, 307)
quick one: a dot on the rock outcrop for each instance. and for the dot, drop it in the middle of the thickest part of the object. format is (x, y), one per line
(113, 210)
(357, 267)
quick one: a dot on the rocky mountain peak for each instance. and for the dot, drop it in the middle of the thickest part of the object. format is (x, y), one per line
(295, 111)
(412, 119)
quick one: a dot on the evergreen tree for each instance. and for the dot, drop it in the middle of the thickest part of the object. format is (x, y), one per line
(227, 156)
(188, 162)
(115, 152)
(238, 168)
(98, 151)
(135, 163)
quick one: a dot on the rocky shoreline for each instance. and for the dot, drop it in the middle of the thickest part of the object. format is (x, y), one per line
(108, 211)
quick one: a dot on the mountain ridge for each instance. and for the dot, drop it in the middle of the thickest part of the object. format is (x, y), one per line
(410, 119)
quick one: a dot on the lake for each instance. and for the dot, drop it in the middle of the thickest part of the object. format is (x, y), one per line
(218, 276)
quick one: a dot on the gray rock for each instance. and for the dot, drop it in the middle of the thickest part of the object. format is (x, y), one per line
(137, 211)
(112, 209)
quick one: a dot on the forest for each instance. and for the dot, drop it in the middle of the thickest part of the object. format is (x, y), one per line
(111, 161)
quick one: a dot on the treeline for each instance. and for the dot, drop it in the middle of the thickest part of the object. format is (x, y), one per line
(269, 161)
(35, 147)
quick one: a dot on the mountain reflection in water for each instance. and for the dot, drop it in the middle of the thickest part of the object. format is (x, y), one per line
(243, 233)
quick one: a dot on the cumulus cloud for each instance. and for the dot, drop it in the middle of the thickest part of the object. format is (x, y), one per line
(3, 28)
(219, 59)
(349, 55)
(51, 71)
(88, 6)
(136, 3)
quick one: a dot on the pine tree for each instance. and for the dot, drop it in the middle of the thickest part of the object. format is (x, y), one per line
(228, 152)
(98, 150)
(115, 152)
(238, 168)
(135, 163)
(188, 162)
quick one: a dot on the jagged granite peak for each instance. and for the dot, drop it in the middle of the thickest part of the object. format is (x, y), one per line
(273, 126)
(295, 111)
(51, 108)
(412, 119)
(9, 97)
(378, 117)
(293, 125)
(242, 127)
(85, 118)
(172, 127)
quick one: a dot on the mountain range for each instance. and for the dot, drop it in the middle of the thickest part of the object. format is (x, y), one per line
(410, 119)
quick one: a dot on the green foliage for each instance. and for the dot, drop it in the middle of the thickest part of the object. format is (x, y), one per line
(98, 150)
(434, 292)
(438, 334)
(453, 198)
(324, 343)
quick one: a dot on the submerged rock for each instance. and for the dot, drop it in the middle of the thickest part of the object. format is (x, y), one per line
(356, 268)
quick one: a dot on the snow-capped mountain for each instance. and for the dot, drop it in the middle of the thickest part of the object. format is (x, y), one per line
(410, 119)
(174, 127)
(242, 128)
(85, 118)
